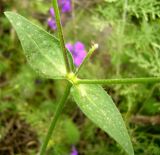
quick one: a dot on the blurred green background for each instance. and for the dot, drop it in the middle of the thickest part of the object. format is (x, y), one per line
(128, 34)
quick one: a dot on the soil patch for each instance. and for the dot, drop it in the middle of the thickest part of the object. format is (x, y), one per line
(18, 137)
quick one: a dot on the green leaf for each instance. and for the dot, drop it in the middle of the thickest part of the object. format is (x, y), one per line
(99, 107)
(41, 48)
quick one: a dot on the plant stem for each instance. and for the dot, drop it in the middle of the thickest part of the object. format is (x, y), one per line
(60, 33)
(120, 81)
(55, 118)
(93, 48)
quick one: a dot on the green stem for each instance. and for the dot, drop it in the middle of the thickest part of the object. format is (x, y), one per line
(60, 33)
(120, 81)
(93, 48)
(55, 118)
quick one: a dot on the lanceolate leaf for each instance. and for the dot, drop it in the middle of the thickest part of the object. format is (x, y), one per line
(99, 107)
(41, 49)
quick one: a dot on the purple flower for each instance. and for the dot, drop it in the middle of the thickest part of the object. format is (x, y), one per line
(78, 52)
(74, 151)
(70, 47)
(51, 11)
(79, 47)
(66, 5)
(52, 23)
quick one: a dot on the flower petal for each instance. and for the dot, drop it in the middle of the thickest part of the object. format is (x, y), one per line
(51, 11)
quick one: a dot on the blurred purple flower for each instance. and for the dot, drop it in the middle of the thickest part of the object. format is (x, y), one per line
(51, 11)
(52, 23)
(74, 151)
(78, 52)
(70, 47)
(65, 6)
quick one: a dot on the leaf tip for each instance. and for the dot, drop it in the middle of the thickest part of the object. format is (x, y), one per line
(129, 150)
(7, 13)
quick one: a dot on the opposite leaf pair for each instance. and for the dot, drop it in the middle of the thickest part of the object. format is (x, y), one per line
(44, 55)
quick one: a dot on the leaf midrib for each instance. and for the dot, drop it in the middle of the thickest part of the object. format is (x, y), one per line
(91, 101)
(50, 60)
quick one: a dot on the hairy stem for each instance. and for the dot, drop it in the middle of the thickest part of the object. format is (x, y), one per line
(60, 33)
(120, 81)
(55, 118)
